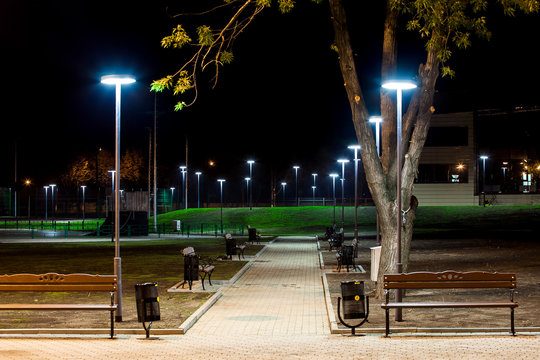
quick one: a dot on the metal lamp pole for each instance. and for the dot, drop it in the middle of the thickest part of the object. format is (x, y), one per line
(52, 186)
(83, 187)
(118, 81)
(198, 173)
(296, 167)
(247, 189)
(283, 185)
(343, 162)
(334, 176)
(250, 188)
(46, 191)
(221, 181)
(377, 120)
(355, 148)
(399, 86)
(484, 158)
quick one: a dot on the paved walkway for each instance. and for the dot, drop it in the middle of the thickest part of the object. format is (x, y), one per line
(276, 310)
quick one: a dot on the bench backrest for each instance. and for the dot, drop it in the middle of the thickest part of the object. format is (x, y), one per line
(448, 280)
(58, 282)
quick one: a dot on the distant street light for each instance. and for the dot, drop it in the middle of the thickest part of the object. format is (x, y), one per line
(221, 181)
(83, 187)
(399, 86)
(117, 81)
(484, 158)
(343, 162)
(183, 170)
(283, 185)
(52, 186)
(334, 176)
(198, 173)
(296, 167)
(172, 197)
(251, 162)
(355, 148)
(247, 189)
(313, 188)
(46, 191)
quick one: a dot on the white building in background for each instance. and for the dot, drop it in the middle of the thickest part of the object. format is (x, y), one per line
(447, 169)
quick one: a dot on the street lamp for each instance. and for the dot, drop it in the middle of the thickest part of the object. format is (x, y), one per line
(52, 186)
(221, 181)
(112, 172)
(250, 190)
(117, 81)
(172, 196)
(247, 188)
(46, 191)
(343, 162)
(83, 187)
(484, 158)
(313, 188)
(198, 173)
(399, 86)
(355, 148)
(377, 120)
(296, 167)
(315, 185)
(183, 170)
(283, 185)
(334, 176)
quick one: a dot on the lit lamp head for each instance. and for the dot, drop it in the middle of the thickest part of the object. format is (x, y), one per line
(399, 85)
(334, 175)
(483, 157)
(375, 119)
(117, 79)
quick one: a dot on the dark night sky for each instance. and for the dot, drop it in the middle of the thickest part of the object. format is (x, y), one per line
(281, 101)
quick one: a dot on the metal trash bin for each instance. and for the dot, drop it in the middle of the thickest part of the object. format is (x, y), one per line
(147, 299)
(355, 303)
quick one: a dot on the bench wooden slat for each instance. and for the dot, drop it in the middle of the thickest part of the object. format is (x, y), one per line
(450, 275)
(60, 287)
(450, 284)
(448, 305)
(57, 307)
(55, 278)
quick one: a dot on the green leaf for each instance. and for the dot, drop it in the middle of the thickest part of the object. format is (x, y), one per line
(206, 37)
(161, 84)
(179, 106)
(285, 6)
(177, 39)
(226, 57)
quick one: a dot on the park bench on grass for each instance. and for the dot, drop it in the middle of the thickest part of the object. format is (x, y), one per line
(450, 280)
(206, 269)
(52, 282)
(346, 254)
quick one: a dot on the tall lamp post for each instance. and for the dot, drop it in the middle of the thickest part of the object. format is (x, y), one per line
(83, 187)
(247, 189)
(46, 192)
(183, 170)
(334, 176)
(343, 162)
(399, 86)
(377, 121)
(296, 167)
(283, 185)
(314, 185)
(52, 186)
(355, 148)
(172, 196)
(221, 181)
(118, 81)
(250, 188)
(484, 158)
(198, 173)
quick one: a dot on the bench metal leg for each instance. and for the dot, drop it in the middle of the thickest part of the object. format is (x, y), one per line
(512, 328)
(112, 315)
(387, 314)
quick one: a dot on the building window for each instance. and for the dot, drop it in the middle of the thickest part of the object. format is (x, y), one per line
(447, 136)
(442, 173)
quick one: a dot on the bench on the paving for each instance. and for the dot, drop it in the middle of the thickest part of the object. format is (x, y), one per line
(53, 282)
(253, 235)
(206, 269)
(335, 240)
(450, 280)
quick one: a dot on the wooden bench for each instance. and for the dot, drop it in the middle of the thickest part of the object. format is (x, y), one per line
(53, 282)
(450, 280)
(335, 240)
